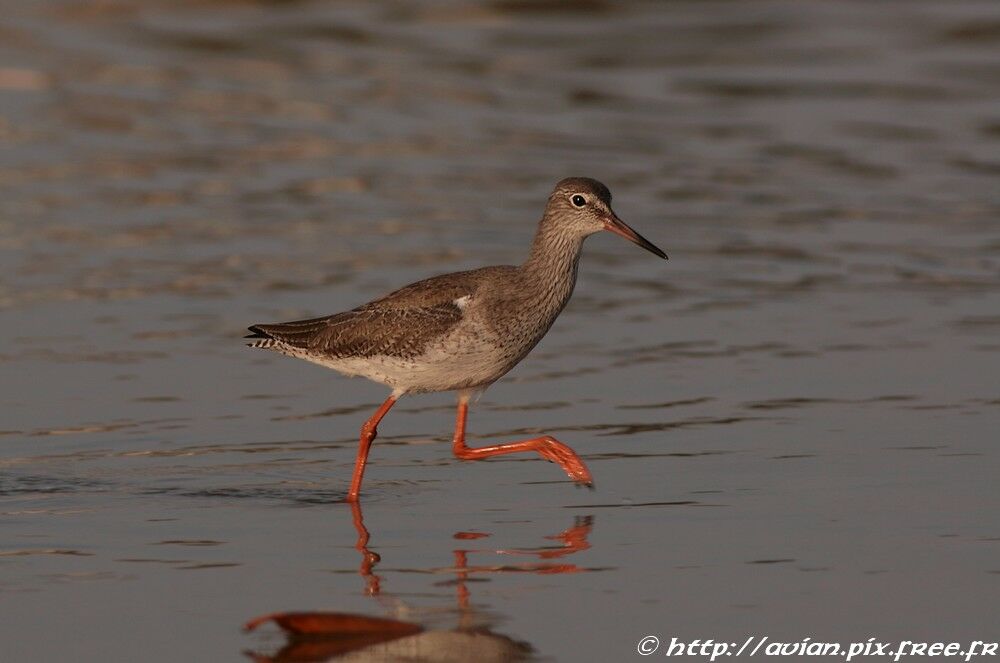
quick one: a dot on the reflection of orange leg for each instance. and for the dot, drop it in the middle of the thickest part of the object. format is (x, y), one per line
(546, 446)
(574, 539)
(368, 558)
(461, 575)
(368, 433)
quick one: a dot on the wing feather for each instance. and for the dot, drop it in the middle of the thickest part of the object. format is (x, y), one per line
(401, 324)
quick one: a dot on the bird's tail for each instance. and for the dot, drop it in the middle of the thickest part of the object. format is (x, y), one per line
(262, 339)
(299, 334)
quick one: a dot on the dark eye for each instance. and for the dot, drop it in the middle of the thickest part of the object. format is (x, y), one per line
(578, 200)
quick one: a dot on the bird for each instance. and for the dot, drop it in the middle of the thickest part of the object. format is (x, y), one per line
(463, 331)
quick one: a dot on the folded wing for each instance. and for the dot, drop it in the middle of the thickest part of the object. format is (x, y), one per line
(400, 324)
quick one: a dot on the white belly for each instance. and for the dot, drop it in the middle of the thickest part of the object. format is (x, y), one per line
(457, 362)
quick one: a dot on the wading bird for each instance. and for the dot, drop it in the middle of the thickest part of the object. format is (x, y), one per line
(463, 331)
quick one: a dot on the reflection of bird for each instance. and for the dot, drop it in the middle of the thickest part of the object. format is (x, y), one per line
(315, 637)
(463, 331)
(350, 638)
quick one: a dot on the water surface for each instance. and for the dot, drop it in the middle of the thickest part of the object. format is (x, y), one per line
(792, 423)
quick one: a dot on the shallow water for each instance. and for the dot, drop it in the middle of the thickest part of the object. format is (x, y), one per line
(792, 423)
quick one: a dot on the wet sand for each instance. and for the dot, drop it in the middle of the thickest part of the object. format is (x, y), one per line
(792, 424)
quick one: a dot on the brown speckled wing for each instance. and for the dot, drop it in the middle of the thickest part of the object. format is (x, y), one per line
(379, 330)
(367, 331)
(401, 324)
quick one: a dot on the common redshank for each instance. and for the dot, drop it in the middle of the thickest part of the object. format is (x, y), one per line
(463, 331)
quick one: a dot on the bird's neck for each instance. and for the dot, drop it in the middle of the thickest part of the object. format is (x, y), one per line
(550, 269)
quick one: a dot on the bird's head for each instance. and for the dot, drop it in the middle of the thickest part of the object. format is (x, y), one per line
(582, 206)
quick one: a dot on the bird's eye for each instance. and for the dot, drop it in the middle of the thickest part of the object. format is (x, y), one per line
(578, 200)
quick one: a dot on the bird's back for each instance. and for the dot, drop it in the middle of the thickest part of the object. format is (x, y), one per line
(403, 324)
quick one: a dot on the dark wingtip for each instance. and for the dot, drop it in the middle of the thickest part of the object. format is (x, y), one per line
(257, 332)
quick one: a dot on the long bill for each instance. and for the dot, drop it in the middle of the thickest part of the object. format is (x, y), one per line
(619, 227)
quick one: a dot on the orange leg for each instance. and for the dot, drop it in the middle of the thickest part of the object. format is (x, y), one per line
(545, 446)
(368, 433)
